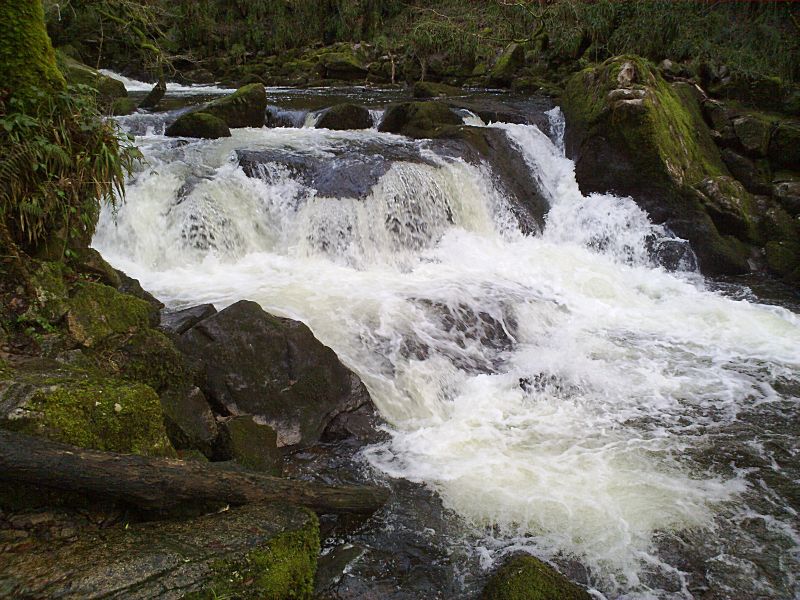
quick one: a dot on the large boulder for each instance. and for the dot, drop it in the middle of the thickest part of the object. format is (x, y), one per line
(633, 134)
(108, 88)
(255, 551)
(418, 119)
(257, 364)
(246, 107)
(345, 116)
(784, 145)
(341, 65)
(507, 66)
(526, 578)
(199, 125)
(83, 408)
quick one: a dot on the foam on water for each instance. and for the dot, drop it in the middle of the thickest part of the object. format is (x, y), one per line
(134, 85)
(556, 391)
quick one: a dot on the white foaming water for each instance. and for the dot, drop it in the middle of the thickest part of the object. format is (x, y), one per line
(177, 89)
(551, 389)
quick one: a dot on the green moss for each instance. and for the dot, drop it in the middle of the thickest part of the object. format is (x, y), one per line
(51, 293)
(123, 106)
(525, 578)
(75, 73)
(512, 59)
(151, 358)
(783, 258)
(199, 125)
(427, 89)
(27, 60)
(87, 410)
(418, 119)
(282, 570)
(244, 108)
(97, 312)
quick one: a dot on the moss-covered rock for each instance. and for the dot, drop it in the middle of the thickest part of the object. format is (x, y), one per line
(634, 134)
(50, 301)
(428, 89)
(526, 578)
(198, 125)
(252, 445)
(27, 60)
(730, 207)
(418, 119)
(784, 145)
(108, 88)
(98, 312)
(345, 116)
(344, 66)
(506, 67)
(246, 107)
(753, 132)
(255, 552)
(82, 408)
(123, 106)
(783, 259)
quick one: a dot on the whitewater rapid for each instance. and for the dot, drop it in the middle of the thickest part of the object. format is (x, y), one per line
(561, 392)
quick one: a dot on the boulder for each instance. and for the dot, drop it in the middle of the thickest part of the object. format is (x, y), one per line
(526, 578)
(753, 132)
(199, 125)
(108, 88)
(418, 119)
(730, 207)
(190, 423)
(254, 551)
(123, 106)
(341, 65)
(180, 321)
(132, 287)
(633, 134)
(250, 444)
(246, 107)
(155, 95)
(506, 67)
(345, 116)
(428, 89)
(82, 408)
(274, 369)
(784, 145)
(753, 174)
(786, 190)
(98, 312)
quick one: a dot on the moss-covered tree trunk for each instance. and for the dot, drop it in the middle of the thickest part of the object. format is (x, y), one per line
(27, 60)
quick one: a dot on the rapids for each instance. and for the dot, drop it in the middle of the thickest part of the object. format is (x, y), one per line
(561, 393)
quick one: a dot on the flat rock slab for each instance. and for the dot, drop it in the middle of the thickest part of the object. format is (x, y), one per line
(160, 560)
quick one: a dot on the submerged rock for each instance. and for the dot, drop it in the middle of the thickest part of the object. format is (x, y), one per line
(256, 551)
(274, 369)
(345, 116)
(526, 578)
(418, 119)
(198, 125)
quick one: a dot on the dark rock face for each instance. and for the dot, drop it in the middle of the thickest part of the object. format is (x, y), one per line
(251, 445)
(199, 125)
(345, 116)
(274, 369)
(179, 322)
(155, 95)
(784, 145)
(191, 425)
(418, 119)
(266, 551)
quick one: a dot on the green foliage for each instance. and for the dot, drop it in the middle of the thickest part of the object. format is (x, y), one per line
(60, 160)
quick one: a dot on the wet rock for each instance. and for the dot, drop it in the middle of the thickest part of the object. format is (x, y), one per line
(527, 112)
(526, 578)
(90, 262)
(82, 408)
(244, 108)
(418, 119)
(274, 369)
(155, 95)
(250, 444)
(655, 149)
(506, 67)
(180, 321)
(257, 551)
(729, 205)
(198, 125)
(190, 423)
(427, 89)
(753, 175)
(132, 287)
(345, 116)
(786, 189)
(753, 133)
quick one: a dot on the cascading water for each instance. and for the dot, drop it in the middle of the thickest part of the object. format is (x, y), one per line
(562, 393)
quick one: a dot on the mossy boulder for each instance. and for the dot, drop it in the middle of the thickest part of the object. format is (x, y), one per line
(246, 107)
(343, 65)
(428, 89)
(199, 125)
(49, 304)
(98, 312)
(510, 62)
(753, 132)
(526, 578)
(83, 408)
(251, 445)
(784, 145)
(254, 552)
(123, 106)
(418, 119)
(345, 116)
(155, 95)
(633, 134)
(108, 88)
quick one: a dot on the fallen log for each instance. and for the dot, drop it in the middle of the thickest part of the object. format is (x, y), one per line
(162, 483)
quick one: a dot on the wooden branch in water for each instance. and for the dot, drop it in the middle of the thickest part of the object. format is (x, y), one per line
(161, 483)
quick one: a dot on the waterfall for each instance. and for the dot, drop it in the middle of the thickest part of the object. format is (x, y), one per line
(564, 393)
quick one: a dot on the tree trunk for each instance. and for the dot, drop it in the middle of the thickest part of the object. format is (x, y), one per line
(160, 484)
